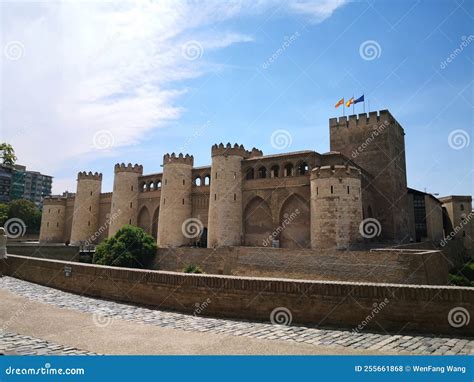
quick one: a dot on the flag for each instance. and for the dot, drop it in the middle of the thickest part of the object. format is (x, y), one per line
(340, 102)
(350, 102)
(360, 99)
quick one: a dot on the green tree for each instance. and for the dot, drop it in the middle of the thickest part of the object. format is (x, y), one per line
(8, 154)
(27, 211)
(130, 247)
(3, 213)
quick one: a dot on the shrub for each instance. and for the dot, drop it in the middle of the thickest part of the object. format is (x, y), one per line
(191, 268)
(130, 247)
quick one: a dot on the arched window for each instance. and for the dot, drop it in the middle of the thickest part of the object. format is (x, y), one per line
(207, 180)
(289, 170)
(249, 174)
(151, 186)
(197, 181)
(303, 168)
(275, 171)
(158, 184)
(144, 187)
(262, 172)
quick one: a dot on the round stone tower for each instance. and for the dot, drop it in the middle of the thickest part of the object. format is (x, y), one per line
(175, 227)
(85, 220)
(336, 206)
(225, 198)
(124, 208)
(53, 220)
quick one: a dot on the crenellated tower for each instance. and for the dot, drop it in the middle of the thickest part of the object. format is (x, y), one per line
(53, 220)
(85, 219)
(175, 203)
(225, 198)
(376, 142)
(124, 206)
(336, 206)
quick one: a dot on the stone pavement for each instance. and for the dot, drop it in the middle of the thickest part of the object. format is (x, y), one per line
(12, 343)
(105, 313)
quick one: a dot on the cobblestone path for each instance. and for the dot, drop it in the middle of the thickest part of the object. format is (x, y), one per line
(104, 312)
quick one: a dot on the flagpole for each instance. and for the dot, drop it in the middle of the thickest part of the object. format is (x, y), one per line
(369, 104)
(353, 104)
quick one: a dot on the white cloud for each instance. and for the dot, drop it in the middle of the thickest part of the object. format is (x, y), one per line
(115, 66)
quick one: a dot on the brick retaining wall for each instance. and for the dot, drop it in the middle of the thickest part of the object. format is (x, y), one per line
(339, 304)
(402, 267)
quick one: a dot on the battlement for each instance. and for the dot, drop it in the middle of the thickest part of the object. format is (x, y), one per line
(336, 171)
(173, 158)
(121, 167)
(54, 200)
(89, 175)
(372, 118)
(237, 150)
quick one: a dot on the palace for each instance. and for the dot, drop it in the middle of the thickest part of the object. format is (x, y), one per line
(356, 192)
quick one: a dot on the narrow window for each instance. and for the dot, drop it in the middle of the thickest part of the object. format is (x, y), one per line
(235, 196)
(91, 193)
(461, 207)
(164, 200)
(131, 204)
(463, 233)
(215, 196)
(130, 221)
(131, 188)
(216, 174)
(183, 202)
(47, 224)
(347, 189)
(332, 189)
(49, 211)
(183, 182)
(57, 224)
(317, 190)
(89, 223)
(90, 208)
(59, 211)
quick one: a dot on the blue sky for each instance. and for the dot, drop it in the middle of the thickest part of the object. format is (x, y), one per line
(99, 84)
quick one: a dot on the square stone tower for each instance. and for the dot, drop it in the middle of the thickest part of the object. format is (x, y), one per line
(376, 142)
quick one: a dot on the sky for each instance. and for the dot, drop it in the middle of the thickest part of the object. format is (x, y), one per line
(87, 84)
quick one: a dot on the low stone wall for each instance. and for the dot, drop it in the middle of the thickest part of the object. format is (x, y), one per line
(392, 266)
(341, 304)
(44, 251)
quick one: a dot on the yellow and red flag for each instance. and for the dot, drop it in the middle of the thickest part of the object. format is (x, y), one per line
(339, 103)
(350, 102)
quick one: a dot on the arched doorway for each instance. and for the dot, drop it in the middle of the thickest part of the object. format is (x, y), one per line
(154, 223)
(295, 223)
(144, 220)
(258, 225)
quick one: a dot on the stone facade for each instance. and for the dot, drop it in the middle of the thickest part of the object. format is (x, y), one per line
(296, 200)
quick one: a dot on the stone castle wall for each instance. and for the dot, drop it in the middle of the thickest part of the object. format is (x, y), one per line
(376, 143)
